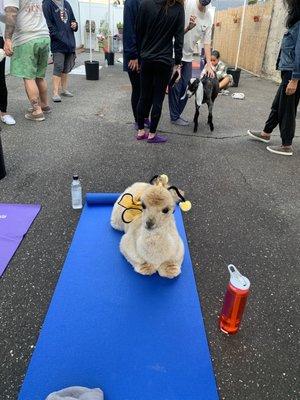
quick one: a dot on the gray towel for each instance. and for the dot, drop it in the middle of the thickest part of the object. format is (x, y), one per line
(77, 393)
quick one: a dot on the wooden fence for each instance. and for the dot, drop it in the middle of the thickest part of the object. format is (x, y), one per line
(254, 39)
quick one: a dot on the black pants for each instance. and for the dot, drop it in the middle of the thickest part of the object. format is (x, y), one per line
(155, 77)
(3, 88)
(135, 79)
(284, 111)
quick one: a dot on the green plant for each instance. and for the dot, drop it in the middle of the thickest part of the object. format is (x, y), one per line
(104, 29)
(250, 2)
(120, 25)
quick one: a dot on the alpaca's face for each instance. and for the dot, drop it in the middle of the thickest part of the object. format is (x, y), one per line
(158, 206)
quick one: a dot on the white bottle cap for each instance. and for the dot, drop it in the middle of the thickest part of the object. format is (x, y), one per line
(237, 279)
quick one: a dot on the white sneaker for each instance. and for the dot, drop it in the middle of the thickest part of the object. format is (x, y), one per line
(8, 119)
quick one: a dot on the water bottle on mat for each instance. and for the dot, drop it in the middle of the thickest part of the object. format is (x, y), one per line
(76, 192)
(234, 301)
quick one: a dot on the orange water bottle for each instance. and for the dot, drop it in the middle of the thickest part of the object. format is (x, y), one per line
(234, 301)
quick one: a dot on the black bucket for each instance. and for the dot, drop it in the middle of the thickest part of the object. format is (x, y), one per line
(2, 165)
(110, 57)
(92, 70)
(236, 73)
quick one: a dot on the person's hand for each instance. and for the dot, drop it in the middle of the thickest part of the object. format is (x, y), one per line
(291, 87)
(192, 22)
(74, 25)
(8, 47)
(133, 65)
(210, 71)
(177, 68)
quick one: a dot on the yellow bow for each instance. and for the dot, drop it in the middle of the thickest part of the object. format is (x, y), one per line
(133, 208)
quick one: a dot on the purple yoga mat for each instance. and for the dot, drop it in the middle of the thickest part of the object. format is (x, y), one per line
(15, 220)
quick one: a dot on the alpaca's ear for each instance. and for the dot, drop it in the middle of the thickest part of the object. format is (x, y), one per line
(160, 180)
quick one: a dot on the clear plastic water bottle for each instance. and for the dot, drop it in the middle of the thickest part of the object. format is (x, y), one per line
(76, 193)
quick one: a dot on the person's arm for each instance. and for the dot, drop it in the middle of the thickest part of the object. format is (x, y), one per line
(48, 17)
(293, 84)
(207, 51)
(140, 24)
(129, 35)
(11, 9)
(179, 37)
(191, 25)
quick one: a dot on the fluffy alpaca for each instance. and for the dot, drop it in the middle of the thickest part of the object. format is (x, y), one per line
(151, 242)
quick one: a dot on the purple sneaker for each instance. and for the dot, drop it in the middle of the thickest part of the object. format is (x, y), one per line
(157, 139)
(142, 137)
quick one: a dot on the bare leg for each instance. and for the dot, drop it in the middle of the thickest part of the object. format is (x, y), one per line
(42, 86)
(33, 95)
(56, 83)
(64, 81)
(224, 83)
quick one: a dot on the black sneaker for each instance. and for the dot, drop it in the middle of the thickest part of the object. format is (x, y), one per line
(282, 150)
(257, 136)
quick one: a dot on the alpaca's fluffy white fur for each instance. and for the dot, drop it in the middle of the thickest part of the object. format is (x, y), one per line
(157, 248)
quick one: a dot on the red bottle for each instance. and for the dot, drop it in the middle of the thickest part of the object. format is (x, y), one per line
(234, 301)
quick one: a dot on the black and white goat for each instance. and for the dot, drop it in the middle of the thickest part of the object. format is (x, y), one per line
(206, 91)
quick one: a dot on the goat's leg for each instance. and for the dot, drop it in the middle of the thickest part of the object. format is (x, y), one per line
(210, 105)
(196, 117)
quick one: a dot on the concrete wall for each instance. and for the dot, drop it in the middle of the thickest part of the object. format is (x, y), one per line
(277, 29)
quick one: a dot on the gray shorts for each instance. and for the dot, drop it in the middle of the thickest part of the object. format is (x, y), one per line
(63, 63)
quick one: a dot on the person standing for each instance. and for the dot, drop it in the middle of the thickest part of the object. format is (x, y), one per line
(62, 25)
(130, 55)
(198, 22)
(158, 23)
(285, 104)
(27, 43)
(6, 118)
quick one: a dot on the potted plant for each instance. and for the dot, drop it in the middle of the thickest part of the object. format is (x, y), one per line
(104, 42)
(91, 66)
(120, 28)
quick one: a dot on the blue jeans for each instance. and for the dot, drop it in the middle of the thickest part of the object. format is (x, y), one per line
(176, 105)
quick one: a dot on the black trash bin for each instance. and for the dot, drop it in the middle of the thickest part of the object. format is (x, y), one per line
(92, 70)
(110, 57)
(236, 73)
(2, 165)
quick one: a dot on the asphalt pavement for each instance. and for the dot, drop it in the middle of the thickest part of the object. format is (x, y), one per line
(246, 211)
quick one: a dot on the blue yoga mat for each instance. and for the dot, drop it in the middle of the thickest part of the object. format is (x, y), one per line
(135, 337)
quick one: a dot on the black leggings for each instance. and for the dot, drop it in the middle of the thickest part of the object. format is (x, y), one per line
(136, 91)
(284, 111)
(155, 77)
(3, 88)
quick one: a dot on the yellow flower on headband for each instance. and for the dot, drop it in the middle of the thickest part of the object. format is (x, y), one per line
(133, 208)
(185, 205)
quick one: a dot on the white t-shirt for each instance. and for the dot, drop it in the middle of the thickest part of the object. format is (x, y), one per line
(31, 23)
(201, 32)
